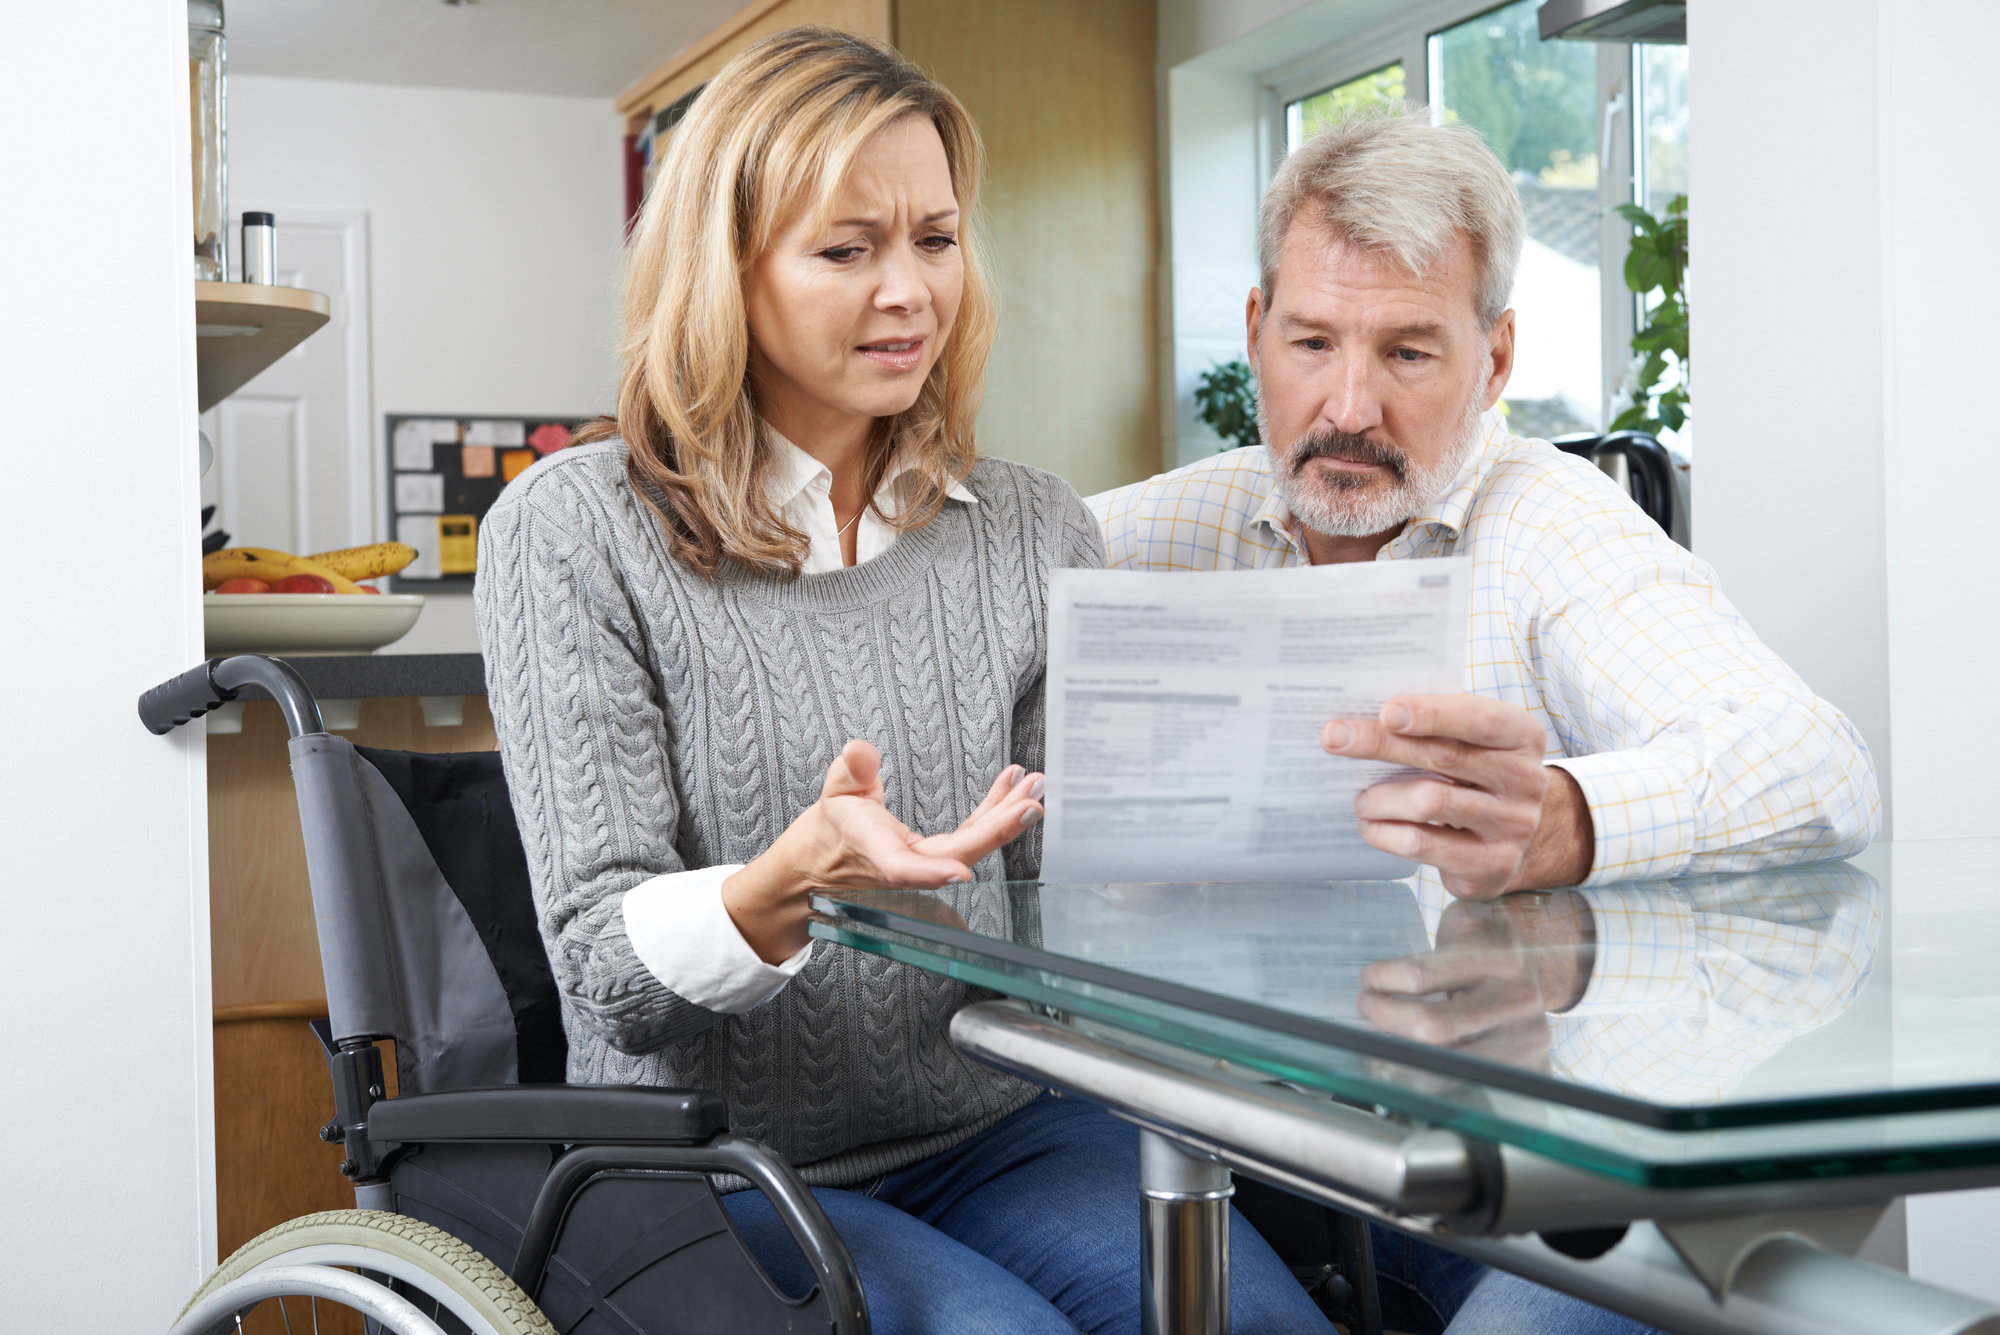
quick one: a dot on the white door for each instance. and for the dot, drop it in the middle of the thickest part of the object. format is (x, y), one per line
(292, 448)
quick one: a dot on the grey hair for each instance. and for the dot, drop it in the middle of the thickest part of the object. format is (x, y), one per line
(1403, 187)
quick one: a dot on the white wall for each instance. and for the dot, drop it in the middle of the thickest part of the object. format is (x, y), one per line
(1844, 352)
(1939, 198)
(494, 224)
(110, 1212)
(1842, 319)
(1786, 298)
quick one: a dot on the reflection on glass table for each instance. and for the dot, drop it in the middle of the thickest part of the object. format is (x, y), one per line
(1700, 1031)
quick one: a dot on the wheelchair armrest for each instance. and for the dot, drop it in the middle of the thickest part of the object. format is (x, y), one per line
(564, 1114)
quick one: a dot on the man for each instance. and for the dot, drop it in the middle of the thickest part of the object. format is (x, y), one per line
(1621, 721)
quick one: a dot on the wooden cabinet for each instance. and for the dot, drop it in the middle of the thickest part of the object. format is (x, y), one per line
(691, 67)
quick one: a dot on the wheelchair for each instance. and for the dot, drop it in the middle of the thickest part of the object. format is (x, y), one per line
(490, 1197)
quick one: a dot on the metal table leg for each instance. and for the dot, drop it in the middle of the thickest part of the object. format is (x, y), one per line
(1183, 1240)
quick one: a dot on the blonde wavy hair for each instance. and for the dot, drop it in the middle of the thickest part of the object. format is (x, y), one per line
(773, 136)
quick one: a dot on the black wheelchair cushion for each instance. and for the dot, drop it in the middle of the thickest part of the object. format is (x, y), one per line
(553, 1114)
(460, 806)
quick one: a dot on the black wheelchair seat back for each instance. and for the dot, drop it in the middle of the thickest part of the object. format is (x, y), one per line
(426, 925)
(459, 805)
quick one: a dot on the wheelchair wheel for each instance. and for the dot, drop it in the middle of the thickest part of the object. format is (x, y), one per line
(414, 1280)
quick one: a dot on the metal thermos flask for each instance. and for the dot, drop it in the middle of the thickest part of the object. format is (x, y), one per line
(260, 248)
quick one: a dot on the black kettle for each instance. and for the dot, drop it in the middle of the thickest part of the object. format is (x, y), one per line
(1641, 465)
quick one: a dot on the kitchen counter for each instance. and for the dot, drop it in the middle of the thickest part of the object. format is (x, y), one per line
(375, 676)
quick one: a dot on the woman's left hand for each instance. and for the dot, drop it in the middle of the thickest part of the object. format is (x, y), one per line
(850, 839)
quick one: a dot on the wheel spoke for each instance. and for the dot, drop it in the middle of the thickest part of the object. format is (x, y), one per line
(315, 1310)
(285, 1316)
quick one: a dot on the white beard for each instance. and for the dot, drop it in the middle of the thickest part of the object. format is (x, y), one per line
(1362, 512)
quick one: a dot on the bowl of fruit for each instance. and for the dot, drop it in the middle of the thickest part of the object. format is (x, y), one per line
(258, 600)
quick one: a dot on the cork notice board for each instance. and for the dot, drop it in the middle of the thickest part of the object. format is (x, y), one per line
(445, 472)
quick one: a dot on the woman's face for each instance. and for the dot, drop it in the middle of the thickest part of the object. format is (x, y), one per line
(845, 323)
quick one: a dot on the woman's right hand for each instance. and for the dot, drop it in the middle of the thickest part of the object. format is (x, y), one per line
(849, 839)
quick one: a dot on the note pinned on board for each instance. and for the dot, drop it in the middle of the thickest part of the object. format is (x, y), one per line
(412, 446)
(420, 532)
(419, 493)
(477, 461)
(1184, 713)
(506, 434)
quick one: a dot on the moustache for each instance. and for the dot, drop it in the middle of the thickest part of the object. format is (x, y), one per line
(1334, 444)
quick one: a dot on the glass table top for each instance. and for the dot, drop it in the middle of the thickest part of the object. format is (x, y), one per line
(1821, 1020)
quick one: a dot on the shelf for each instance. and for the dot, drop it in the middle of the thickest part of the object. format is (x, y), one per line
(241, 328)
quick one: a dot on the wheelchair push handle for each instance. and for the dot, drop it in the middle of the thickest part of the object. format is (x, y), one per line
(218, 681)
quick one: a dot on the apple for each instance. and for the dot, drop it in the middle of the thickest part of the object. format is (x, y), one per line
(303, 584)
(369, 588)
(242, 585)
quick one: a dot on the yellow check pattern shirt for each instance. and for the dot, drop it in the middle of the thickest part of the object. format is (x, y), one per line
(1697, 749)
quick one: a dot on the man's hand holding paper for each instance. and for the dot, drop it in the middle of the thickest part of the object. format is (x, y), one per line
(1495, 818)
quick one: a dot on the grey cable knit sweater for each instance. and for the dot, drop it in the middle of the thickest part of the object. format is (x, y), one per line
(651, 721)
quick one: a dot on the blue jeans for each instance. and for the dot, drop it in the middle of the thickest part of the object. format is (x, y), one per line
(1427, 1290)
(1031, 1226)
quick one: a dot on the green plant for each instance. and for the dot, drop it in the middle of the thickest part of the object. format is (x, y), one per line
(1658, 262)
(1225, 397)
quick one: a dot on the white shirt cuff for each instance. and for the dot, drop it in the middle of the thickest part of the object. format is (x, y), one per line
(680, 930)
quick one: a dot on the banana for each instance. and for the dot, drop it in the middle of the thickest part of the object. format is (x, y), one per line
(371, 562)
(266, 564)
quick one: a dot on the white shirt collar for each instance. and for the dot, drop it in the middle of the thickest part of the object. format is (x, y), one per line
(793, 471)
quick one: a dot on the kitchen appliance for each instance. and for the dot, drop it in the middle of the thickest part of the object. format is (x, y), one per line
(1646, 470)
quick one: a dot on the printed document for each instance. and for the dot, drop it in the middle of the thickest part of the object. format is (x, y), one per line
(1184, 713)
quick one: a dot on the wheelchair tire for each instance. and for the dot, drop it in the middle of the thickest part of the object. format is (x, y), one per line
(433, 1269)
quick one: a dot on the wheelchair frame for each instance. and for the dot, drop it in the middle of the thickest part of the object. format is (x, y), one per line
(611, 1161)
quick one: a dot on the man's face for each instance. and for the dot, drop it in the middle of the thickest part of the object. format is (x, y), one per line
(1371, 380)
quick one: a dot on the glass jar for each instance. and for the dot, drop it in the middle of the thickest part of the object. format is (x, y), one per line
(208, 126)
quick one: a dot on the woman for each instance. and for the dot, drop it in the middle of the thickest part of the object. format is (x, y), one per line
(780, 629)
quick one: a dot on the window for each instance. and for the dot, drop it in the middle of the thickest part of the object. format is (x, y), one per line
(1659, 157)
(1660, 73)
(1382, 89)
(1536, 104)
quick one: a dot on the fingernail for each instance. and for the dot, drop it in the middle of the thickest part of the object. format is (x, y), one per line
(958, 880)
(1014, 772)
(1031, 815)
(1337, 736)
(1359, 802)
(1037, 788)
(1396, 717)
